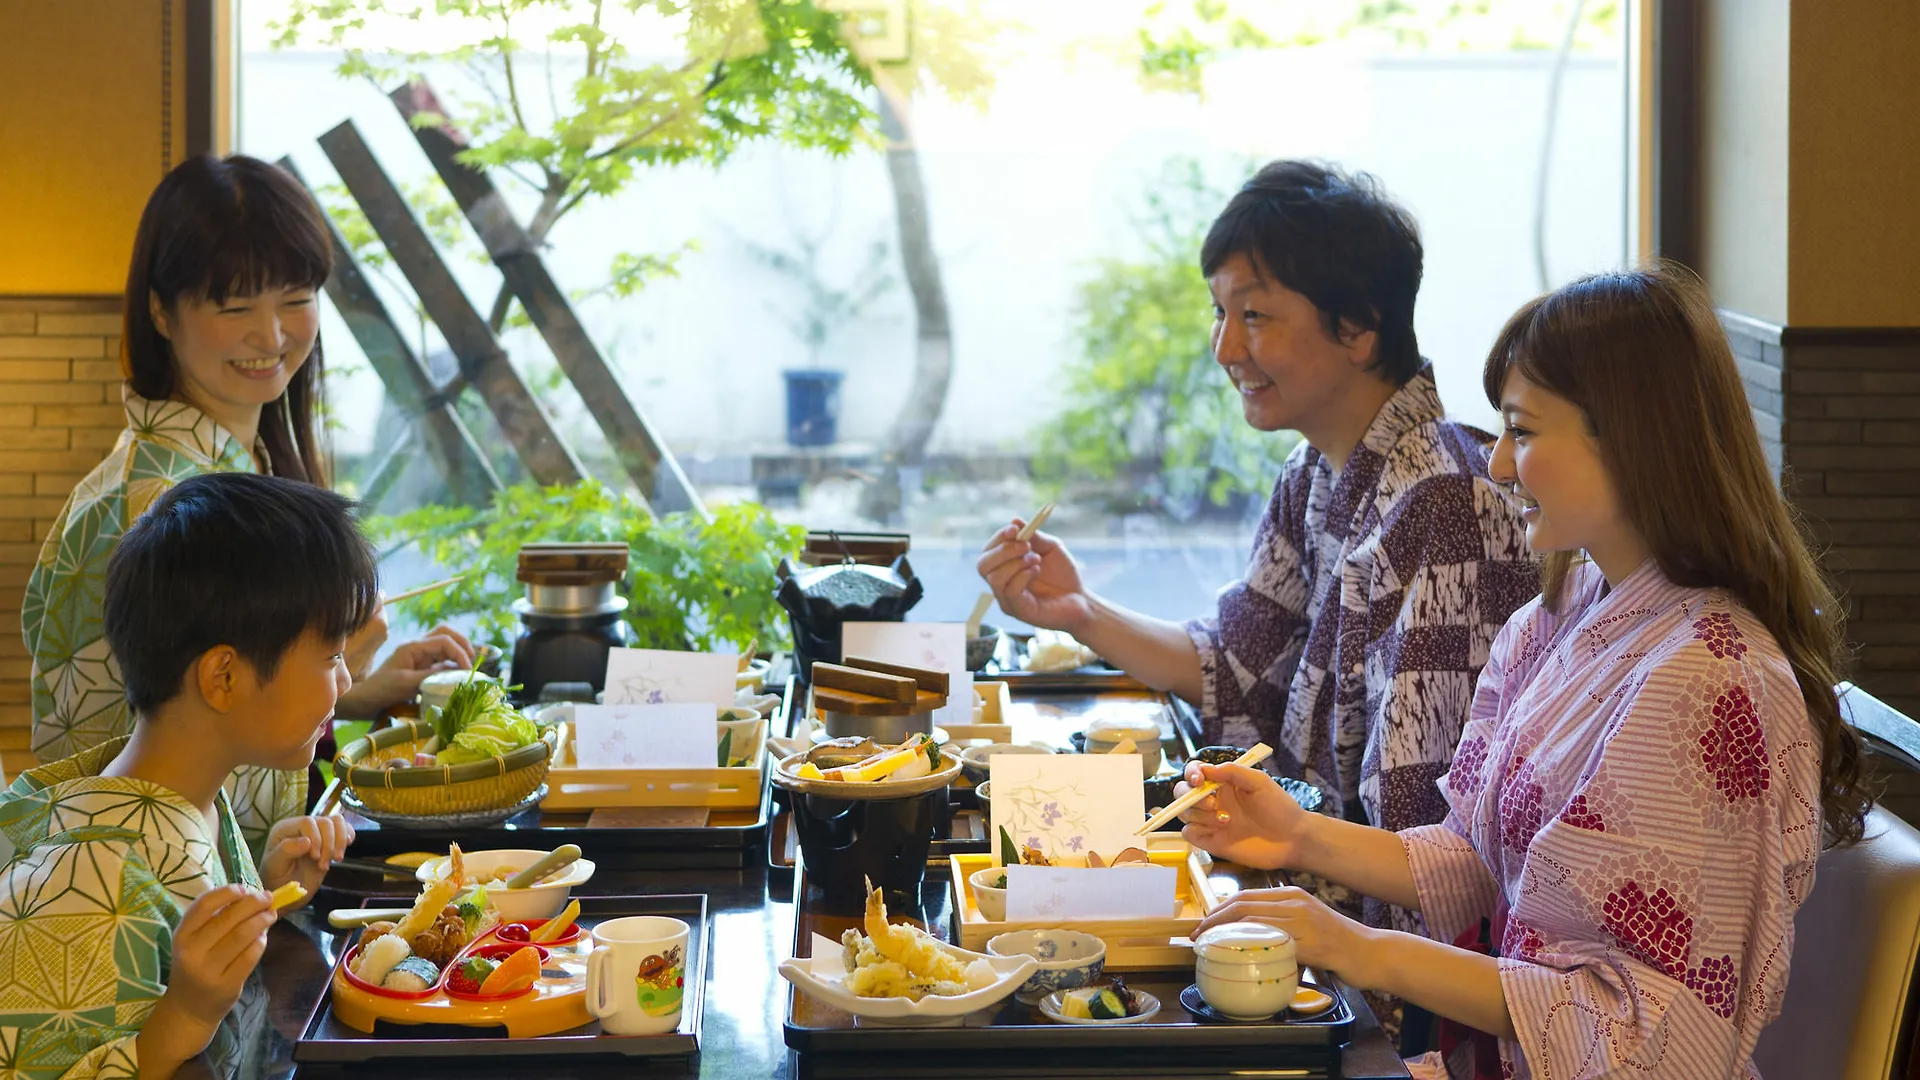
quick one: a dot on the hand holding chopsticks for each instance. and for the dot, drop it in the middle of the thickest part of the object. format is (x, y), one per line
(1250, 759)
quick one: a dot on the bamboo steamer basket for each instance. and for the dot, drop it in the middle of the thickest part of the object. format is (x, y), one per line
(499, 781)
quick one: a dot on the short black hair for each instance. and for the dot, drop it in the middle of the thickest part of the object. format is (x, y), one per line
(232, 559)
(1336, 239)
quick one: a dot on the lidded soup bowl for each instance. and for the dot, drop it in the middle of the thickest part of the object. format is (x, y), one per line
(1246, 970)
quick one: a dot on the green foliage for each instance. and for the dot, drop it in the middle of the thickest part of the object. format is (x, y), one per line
(1148, 403)
(1179, 38)
(691, 583)
(737, 70)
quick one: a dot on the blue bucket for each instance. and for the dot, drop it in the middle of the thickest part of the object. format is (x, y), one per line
(813, 407)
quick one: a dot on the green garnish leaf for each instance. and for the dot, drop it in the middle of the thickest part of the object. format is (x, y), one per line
(1009, 853)
(726, 747)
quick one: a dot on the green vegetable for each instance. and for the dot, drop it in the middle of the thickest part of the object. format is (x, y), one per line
(1009, 852)
(726, 747)
(479, 723)
(473, 908)
(1000, 882)
(1107, 1005)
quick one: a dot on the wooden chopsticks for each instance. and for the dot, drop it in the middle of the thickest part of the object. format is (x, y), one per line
(422, 590)
(1259, 753)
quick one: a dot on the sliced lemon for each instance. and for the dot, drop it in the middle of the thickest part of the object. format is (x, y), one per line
(1307, 1001)
(290, 893)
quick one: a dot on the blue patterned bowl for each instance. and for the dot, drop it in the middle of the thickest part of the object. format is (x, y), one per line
(1068, 959)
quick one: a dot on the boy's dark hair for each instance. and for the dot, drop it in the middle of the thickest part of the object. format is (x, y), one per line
(1336, 239)
(232, 559)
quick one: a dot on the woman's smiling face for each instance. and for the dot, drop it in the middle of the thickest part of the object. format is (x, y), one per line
(1548, 455)
(240, 353)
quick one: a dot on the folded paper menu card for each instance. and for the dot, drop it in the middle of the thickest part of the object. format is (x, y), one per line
(1128, 891)
(1067, 804)
(658, 676)
(670, 736)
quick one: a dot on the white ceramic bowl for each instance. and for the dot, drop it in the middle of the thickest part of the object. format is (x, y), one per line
(1068, 959)
(1147, 1003)
(973, 759)
(829, 985)
(542, 901)
(991, 901)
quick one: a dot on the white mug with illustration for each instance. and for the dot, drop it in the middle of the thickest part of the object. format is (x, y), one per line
(636, 974)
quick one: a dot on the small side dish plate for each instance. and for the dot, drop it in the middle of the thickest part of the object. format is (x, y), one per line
(1145, 1004)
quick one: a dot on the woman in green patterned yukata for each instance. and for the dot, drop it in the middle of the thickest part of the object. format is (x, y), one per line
(222, 353)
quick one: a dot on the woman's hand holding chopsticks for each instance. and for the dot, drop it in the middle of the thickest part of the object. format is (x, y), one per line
(1248, 819)
(1252, 820)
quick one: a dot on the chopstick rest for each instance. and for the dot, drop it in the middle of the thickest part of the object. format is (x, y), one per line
(1259, 753)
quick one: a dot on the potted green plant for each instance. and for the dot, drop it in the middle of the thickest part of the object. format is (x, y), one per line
(692, 582)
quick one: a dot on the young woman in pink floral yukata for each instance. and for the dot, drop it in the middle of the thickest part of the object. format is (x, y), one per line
(1655, 756)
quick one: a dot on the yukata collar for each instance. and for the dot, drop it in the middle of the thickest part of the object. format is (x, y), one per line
(1416, 403)
(187, 428)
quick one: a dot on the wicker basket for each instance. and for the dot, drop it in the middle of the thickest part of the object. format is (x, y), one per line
(448, 789)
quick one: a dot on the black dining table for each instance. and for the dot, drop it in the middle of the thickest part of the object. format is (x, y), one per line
(752, 921)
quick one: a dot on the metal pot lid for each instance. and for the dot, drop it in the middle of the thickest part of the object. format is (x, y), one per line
(612, 606)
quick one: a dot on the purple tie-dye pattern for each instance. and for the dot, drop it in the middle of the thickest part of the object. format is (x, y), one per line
(1352, 645)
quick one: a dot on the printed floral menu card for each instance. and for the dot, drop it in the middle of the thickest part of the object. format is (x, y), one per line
(935, 646)
(1068, 805)
(656, 676)
(683, 735)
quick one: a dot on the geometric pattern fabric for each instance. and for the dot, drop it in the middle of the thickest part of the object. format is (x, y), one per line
(78, 699)
(103, 869)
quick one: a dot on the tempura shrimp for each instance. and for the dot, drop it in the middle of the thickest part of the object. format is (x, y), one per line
(910, 947)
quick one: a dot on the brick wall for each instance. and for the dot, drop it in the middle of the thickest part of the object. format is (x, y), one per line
(1842, 408)
(59, 414)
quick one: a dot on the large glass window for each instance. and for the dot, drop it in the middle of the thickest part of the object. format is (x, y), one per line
(1055, 163)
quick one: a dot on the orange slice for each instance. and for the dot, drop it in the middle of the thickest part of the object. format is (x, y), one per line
(1307, 1001)
(515, 974)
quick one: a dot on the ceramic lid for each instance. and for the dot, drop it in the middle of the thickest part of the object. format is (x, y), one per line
(1113, 728)
(1245, 943)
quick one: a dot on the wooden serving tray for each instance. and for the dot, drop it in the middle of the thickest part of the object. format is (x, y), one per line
(1132, 944)
(570, 787)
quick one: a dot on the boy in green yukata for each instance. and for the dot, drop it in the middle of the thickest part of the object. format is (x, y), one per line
(132, 914)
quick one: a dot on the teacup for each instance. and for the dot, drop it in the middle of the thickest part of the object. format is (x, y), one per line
(1246, 970)
(745, 726)
(636, 974)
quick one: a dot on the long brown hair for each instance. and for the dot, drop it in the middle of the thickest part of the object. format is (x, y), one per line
(1643, 355)
(216, 228)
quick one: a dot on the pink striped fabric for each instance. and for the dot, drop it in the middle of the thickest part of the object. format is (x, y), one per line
(1635, 806)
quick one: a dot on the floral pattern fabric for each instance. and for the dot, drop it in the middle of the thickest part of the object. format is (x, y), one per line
(103, 870)
(1352, 645)
(1635, 807)
(79, 701)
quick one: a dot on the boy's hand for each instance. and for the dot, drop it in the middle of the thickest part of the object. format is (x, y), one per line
(216, 946)
(300, 849)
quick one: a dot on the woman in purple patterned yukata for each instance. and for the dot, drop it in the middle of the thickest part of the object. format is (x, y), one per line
(1387, 560)
(1656, 754)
